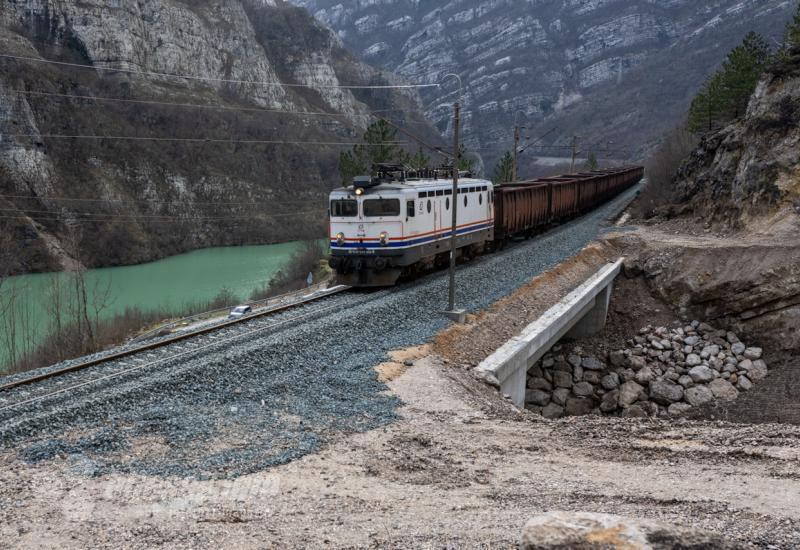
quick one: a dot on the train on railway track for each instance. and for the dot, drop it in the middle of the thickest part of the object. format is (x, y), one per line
(399, 222)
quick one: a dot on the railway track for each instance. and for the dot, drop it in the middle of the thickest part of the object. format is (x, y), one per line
(241, 401)
(119, 364)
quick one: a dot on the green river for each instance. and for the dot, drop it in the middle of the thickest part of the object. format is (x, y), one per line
(168, 284)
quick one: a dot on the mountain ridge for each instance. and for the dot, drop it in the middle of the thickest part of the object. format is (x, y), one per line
(202, 162)
(575, 65)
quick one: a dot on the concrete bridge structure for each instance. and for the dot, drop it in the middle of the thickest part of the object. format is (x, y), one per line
(580, 314)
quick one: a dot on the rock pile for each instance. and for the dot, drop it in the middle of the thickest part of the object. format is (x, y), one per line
(663, 372)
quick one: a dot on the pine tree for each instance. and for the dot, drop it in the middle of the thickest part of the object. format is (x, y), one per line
(464, 164)
(706, 109)
(420, 161)
(503, 171)
(726, 94)
(378, 147)
(793, 31)
(591, 162)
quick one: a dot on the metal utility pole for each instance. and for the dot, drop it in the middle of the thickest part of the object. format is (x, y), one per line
(574, 154)
(516, 152)
(451, 309)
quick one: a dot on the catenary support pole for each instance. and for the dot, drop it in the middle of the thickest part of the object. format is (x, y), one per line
(574, 154)
(516, 152)
(452, 294)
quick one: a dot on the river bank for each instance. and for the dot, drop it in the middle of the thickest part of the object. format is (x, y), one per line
(172, 286)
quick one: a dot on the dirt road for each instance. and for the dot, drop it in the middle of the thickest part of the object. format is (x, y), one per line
(462, 468)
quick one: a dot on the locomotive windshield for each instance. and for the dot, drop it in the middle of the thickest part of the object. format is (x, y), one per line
(381, 207)
(344, 208)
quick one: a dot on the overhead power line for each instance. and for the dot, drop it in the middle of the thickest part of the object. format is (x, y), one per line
(219, 80)
(100, 216)
(206, 140)
(170, 216)
(194, 105)
(379, 113)
(226, 221)
(155, 201)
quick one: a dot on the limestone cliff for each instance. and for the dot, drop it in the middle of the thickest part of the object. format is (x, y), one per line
(144, 198)
(618, 71)
(748, 174)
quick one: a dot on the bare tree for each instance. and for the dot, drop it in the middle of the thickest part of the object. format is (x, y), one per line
(661, 169)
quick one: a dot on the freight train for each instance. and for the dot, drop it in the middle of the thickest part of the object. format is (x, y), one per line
(399, 222)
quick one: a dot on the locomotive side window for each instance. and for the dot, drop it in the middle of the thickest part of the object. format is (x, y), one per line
(447, 203)
(381, 207)
(410, 211)
(465, 199)
(429, 206)
(344, 208)
(480, 198)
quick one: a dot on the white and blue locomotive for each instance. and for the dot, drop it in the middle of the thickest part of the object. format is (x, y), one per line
(400, 222)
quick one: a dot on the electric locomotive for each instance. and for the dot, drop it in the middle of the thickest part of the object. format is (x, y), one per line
(399, 222)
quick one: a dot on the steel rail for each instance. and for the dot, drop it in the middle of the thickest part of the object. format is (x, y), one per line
(164, 359)
(165, 342)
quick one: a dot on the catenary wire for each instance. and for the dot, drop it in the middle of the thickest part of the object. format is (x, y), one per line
(194, 105)
(207, 140)
(221, 80)
(155, 201)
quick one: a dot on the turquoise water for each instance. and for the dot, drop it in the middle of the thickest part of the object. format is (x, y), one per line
(171, 283)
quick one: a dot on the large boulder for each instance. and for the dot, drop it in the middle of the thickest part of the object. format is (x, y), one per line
(553, 411)
(665, 393)
(592, 531)
(610, 401)
(562, 379)
(757, 370)
(699, 395)
(592, 363)
(579, 406)
(560, 396)
(724, 390)
(537, 397)
(629, 393)
(701, 374)
(583, 389)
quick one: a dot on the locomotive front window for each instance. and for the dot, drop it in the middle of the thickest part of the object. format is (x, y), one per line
(374, 208)
(344, 208)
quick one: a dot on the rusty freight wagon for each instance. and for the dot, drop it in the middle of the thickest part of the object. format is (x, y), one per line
(525, 207)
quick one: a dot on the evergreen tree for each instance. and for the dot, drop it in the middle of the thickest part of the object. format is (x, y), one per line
(591, 162)
(378, 147)
(793, 31)
(503, 171)
(420, 161)
(725, 95)
(464, 164)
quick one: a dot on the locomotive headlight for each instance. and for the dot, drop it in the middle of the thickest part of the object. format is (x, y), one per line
(359, 191)
(384, 238)
(340, 238)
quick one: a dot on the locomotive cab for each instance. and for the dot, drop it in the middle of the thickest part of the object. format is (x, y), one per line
(387, 224)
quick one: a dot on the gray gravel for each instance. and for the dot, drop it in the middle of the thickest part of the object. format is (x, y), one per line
(273, 397)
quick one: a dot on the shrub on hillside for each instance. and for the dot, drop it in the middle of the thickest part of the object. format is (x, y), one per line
(293, 275)
(660, 171)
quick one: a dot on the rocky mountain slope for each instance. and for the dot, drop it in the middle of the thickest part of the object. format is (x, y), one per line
(620, 71)
(143, 198)
(748, 174)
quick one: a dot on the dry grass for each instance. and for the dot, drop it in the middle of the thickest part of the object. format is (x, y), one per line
(70, 342)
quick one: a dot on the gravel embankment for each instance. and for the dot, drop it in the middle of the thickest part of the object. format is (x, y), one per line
(242, 407)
